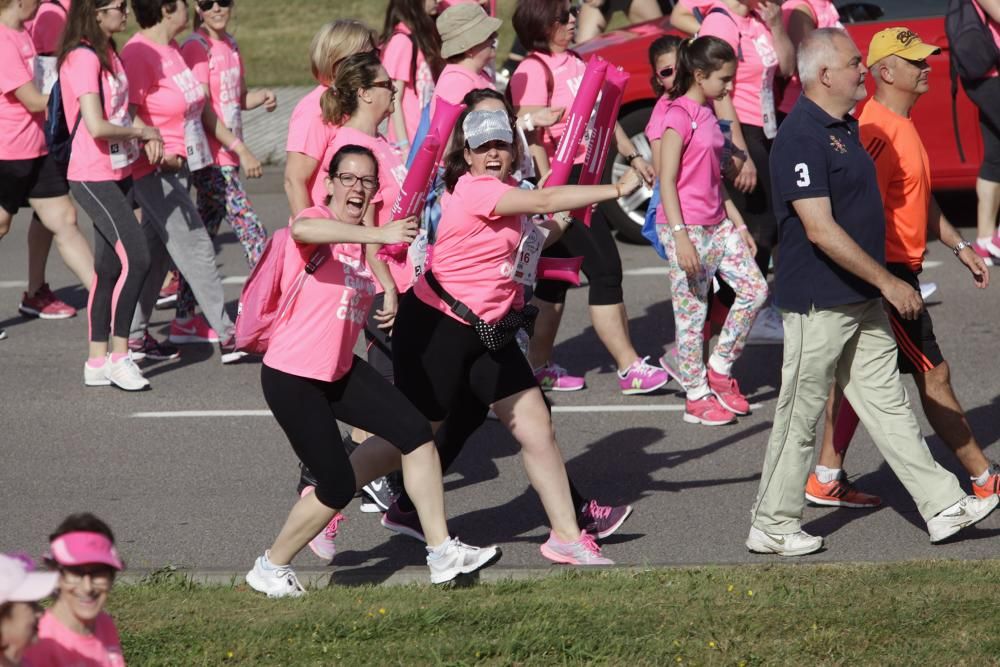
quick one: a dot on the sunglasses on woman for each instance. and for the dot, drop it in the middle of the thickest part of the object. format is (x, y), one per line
(665, 72)
(206, 5)
(387, 84)
(563, 18)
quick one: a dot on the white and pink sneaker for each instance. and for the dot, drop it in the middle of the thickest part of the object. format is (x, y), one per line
(192, 330)
(707, 411)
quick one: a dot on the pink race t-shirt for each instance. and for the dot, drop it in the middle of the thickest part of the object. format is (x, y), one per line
(216, 63)
(58, 646)
(455, 83)
(753, 88)
(699, 179)
(309, 135)
(529, 88)
(165, 91)
(701, 6)
(316, 338)
(827, 16)
(47, 26)
(391, 174)
(90, 159)
(397, 58)
(654, 133)
(23, 137)
(475, 250)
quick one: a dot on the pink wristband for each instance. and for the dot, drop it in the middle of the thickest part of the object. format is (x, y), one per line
(236, 144)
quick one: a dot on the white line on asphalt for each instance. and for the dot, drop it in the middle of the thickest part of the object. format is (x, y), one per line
(11, 284)
(234, 280)
(646, 271)
(191, 414)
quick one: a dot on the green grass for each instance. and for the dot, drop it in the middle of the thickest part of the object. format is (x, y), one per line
(921, 613)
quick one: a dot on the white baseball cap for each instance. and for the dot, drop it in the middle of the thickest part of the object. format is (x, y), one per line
(19, 584)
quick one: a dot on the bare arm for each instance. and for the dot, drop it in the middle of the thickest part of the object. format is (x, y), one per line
(770, 11)
(746, 179)
(683, 19)
(31, 98)
(397, 119)
(564, 197)
(324, 230)
(626, 147)
(225, 136)
(991, 7)
(800, 23)
(100, 128)
(938, 226)
(299, 168)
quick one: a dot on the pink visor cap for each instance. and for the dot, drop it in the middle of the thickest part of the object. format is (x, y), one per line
(19, 584)
(84, 548)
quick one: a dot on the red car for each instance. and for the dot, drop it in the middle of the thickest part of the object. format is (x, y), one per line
(628, 48)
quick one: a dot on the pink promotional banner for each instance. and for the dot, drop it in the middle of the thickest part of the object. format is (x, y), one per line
(599, 145)
(566, 269)
(577, 121)
(418, 182)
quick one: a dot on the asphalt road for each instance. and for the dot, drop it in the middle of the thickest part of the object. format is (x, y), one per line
(209, 492)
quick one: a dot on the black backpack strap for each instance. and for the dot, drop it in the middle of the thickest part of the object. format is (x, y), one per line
(953, 73)
(739, 38)
(456, 306)
(100, 92)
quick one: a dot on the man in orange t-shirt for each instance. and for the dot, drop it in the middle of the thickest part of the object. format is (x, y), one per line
(897, 59)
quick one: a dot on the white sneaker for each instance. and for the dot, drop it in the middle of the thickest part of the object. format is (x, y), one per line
(276, 581)
(767, 328)
(791, 544)
(96, 377)
(459, 558)
(966, 512)
(124, 374)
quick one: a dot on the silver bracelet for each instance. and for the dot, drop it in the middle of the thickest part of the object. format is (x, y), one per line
(960, 246)
(529, 124)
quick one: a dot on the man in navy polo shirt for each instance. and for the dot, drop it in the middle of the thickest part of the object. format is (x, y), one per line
(829, 285)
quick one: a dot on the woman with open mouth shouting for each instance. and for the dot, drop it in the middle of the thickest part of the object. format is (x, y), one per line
(454, 332)
(311, 378)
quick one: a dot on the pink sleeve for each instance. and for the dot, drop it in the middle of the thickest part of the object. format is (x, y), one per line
(14, 72)
(528, 87)
(134, 60)
(47, 30)
(678, 120)
(195, 56)
(482, 195)
(82, 68)
(307, 133)
(721, 26)
(397, 56)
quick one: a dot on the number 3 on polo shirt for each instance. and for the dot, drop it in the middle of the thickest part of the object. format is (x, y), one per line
(802, 169)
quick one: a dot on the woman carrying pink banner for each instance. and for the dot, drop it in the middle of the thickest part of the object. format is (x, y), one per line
(552, 75)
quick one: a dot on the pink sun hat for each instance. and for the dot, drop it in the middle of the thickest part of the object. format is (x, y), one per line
(85, 548)
(19, 584)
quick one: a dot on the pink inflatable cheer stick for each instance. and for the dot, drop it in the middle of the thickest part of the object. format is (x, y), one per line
(566, 269)
(604, 131)
(443, 123)
(577, 121)
(413, 193)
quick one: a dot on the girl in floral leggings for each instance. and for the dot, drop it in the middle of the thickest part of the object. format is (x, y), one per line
(704, 234)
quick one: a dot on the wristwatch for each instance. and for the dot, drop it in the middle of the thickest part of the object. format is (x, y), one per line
(676, 228)
(628, 160)
(960, 246)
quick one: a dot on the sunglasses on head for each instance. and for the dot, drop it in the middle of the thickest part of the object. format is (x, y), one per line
(563, 17)
(665, 72)
(206, 5)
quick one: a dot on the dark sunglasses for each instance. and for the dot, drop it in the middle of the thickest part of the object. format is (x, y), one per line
(206, 5)
(563, 17)
(665, 72)
(384, 84)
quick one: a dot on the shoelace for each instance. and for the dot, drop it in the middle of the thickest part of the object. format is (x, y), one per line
(330, 532)
(641, 367)
(587, 542)
(598, 511)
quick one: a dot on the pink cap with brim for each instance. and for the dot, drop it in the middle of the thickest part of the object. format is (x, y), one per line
(84, 548)
(19, 584)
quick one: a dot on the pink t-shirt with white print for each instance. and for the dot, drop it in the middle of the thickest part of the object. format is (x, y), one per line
(310, 136)
(167, 95)
(23, 137)
(216, 63)
(699, 179)
(316, 338)
(474, 252)
(58, 646)
(397, 58)
(529, 88)
(100, 159)
(827, 16)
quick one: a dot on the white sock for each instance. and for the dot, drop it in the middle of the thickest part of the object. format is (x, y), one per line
(982, 479)
(826, 475)
(983, 240)
(266, 561)
(720, 365)
(436, 552)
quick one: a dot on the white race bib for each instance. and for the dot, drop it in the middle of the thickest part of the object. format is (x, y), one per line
(529, 249)
(417, 253)
(769, 58)
(233, 118)
(123, 152)
(46, 73)
(199, 153)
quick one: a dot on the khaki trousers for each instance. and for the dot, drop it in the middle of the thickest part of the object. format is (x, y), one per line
(852, 345)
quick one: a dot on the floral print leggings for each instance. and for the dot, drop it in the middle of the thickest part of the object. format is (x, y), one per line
(220, 195)
(721, 250)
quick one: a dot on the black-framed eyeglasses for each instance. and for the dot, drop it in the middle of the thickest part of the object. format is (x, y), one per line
(387, 84)
(563, 17)
(665, 72)
(347, 179)
(206, 5)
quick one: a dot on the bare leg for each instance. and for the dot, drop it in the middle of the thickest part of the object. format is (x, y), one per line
(611, 325)
(543, 338)
(828, 455)
(591, 21)
(988, 197)
(39, 245)
(526, 417)
(948, 419)
(644, 10)
(59, 216)
(307, 518)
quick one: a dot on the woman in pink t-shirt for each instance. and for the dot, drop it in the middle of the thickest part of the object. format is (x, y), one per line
(800, 18)
(411, 53)
(704, 234)
(663, 62)
(76, 630)
(29, 176)
(311, 378)
(550, 76)
(485, 253)
(95, 90)
(306, 148)
(687, 15)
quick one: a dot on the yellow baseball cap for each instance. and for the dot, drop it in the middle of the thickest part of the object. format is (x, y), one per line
(901, 42)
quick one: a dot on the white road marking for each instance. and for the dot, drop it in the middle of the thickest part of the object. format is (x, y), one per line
(12, 284)
(234, 280)
(646, 271)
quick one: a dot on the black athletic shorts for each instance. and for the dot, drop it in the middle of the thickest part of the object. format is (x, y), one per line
(36, 178)
(918, 348)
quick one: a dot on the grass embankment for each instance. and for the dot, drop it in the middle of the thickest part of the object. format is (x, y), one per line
(940, 613)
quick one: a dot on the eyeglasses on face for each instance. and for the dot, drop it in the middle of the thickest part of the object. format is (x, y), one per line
(563, 17)
(665, 72)
(347, 179)
(122, 7)
(100, 577)
(206, 5)
(384, 84)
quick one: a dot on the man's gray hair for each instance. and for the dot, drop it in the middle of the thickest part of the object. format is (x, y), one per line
(816, 51)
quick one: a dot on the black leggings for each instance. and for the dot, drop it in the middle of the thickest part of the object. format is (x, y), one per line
(985, 94)
(121, 255)
(307, 411)
(601, 262)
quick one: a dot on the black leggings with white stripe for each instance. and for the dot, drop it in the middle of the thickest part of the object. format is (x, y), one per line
(121, 255)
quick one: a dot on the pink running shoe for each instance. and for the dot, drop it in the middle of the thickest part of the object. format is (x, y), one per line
(582, 552)
(602, 521)
(668, 362)
(707, 411)
(45, 305)
(192, 330)
(322, 545)
(983, 253)
(728, 392)
(641, 378)
(553, 377)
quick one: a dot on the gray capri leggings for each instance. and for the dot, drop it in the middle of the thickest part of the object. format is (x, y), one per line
(176, 232)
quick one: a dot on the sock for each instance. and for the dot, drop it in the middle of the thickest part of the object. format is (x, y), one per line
(95, 362)
(983, 240)
(433, 553)
(698, 392)
(118, 356)
(983, 478)
(266, 563)
(826, 475)
(720, 365)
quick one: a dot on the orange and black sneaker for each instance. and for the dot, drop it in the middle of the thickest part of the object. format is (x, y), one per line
(992, 485)
(838, 493)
